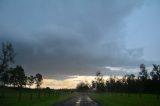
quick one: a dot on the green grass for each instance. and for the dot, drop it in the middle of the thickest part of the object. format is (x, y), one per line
(46, 99)
(119, 99)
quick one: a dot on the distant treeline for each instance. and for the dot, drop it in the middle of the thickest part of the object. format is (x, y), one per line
(144, 83)
(14, 77)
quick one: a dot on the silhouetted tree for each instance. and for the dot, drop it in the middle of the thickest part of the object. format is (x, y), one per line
(38, 80)
(6, 56)
(155, 73)
(143, 78)
(143, 75)
(18, 77)
(5, 78)
(155, 83)
(130, 83)
(30, 80)
(94, 84)
(82, 86)
(99, 82)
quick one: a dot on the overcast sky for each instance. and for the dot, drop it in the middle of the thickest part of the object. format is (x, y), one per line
(79, 37)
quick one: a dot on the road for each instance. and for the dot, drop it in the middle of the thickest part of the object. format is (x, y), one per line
(81, 99)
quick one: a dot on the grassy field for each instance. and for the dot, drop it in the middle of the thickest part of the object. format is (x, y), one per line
(14, 97)
(119, 99)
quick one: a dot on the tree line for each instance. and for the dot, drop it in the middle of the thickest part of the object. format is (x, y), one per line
(145, 82)
(15, 76)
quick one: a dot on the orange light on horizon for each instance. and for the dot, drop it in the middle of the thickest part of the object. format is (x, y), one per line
(69, 83)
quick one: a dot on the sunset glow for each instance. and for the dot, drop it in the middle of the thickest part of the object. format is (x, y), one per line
(68, 83)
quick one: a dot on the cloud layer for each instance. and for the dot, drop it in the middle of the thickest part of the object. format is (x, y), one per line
(69, 37)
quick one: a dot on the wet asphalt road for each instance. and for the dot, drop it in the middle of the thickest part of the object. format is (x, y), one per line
(81, 99)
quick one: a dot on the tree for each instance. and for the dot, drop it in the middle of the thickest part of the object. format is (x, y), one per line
(18, 77)
(38, 80)
(82, 86)
(111, 84)
(94, 84)
(30, 81)
(100, 85)
(5, 77)
(6, 56)
(155, 73)
(143, 75)
(130, 79)
(21, 78)
(13, 79)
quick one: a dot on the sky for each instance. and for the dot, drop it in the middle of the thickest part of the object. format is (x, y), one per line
(68, 39)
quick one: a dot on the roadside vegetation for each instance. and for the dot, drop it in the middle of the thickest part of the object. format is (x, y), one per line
(15, 76)
(15, 85)
(123, 99)
(33, 97)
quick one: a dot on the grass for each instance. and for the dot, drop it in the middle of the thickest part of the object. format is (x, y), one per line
(120, 99)
(11, 97)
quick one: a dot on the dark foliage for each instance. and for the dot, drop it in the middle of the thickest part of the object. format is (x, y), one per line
(38, 80)
(82, 86)
(14, 77)
(144, 83)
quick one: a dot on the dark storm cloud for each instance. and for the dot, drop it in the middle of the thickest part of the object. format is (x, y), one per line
(68, 37)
